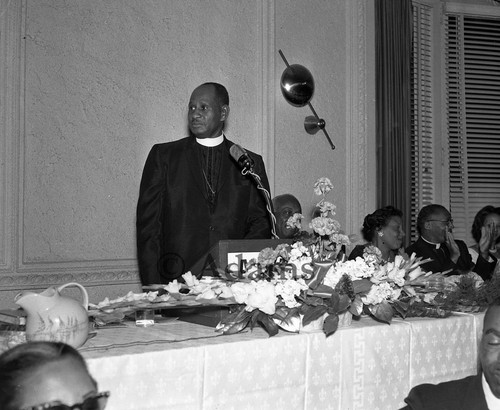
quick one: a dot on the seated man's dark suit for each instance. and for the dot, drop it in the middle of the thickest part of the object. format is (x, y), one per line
(442, 262)
(463, 394)
(177, 225)
(441, 257)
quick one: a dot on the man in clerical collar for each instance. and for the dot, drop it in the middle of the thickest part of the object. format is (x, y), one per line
(193, 194)
(436, 241)
(479, 392)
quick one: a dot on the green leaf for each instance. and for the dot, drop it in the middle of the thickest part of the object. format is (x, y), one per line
(401, 308)
(344, 303)
(383, 311)
(290, 322)
(234, 328)
(238, 315)
(323, 291)
(339, 304)
(268, 324)
(362, 286)
(331, 325)
(234, 322)
(255, 317)
(334, 302)
(313, 301)
(356, 307)
(294, 312)
(282, 312)
(313, 313)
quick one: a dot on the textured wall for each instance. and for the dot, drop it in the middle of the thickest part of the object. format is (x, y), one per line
(105, 81)
(312, 34)
(88, 86)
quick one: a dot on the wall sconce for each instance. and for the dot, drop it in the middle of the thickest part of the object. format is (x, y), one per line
(297, 86)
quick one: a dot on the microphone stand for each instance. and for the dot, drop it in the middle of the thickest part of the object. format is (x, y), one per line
(267, 196)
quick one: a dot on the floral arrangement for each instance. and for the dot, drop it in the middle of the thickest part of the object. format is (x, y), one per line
(327, 237)
(380, 286)
(292, 286)
(297, 291)
(287, 294)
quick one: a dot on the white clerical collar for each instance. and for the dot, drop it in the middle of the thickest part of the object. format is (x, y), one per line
(211, 142)
(437, 245)
(492, 401)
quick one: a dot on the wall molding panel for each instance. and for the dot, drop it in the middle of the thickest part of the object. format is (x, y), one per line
(10, 83)
(361, 159)
(101, 278)
(87, 89)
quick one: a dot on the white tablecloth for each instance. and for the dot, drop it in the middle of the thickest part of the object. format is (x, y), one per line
(368, 365)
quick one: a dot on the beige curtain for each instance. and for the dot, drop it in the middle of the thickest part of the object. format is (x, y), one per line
(393, 46)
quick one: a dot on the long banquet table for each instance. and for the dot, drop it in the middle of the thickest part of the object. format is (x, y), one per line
(368, 365)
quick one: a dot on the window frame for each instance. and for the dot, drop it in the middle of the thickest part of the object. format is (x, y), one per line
(438, 112)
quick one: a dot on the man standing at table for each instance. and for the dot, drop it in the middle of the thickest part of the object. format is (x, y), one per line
(479, 392)
(193, 193)
(436, 241)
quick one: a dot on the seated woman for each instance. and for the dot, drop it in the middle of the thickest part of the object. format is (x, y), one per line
(486, 233)
(382, 229)
(47, 375)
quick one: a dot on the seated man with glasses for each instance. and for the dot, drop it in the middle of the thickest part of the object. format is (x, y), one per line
(49, 376)
(436, 241)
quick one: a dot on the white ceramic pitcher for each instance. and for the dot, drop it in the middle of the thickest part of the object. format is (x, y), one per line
(54, 317)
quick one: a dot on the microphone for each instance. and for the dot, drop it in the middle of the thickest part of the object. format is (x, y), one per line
(246, 164)
(241, 157)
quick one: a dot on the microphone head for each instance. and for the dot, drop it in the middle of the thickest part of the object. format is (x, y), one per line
(241, 157)
(236, 152)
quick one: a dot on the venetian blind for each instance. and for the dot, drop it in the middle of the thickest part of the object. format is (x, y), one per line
(472, 49)
(422, 174)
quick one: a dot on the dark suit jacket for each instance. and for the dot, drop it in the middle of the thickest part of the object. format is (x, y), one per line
(175, 225)
(441, 258)
(442, 261)
(463, 394)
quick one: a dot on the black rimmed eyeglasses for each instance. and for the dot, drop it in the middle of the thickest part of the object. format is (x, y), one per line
(97, 402)
(448, 222)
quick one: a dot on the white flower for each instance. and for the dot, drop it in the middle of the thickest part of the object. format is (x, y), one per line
(190, 279)
(395, 274)
(415, 273)
(299, 252)
(241, 290)
(288, 289)
(173, 287)
(340, 239)
(372, 255)
(295, 221)
(379, 293)
(224, 292)
(379, 275)
(326, 207)
(396, 293)
(333, 276)
(399, 261)
(322, 186)
(263, 298)
(207, 293)
(324, 226)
